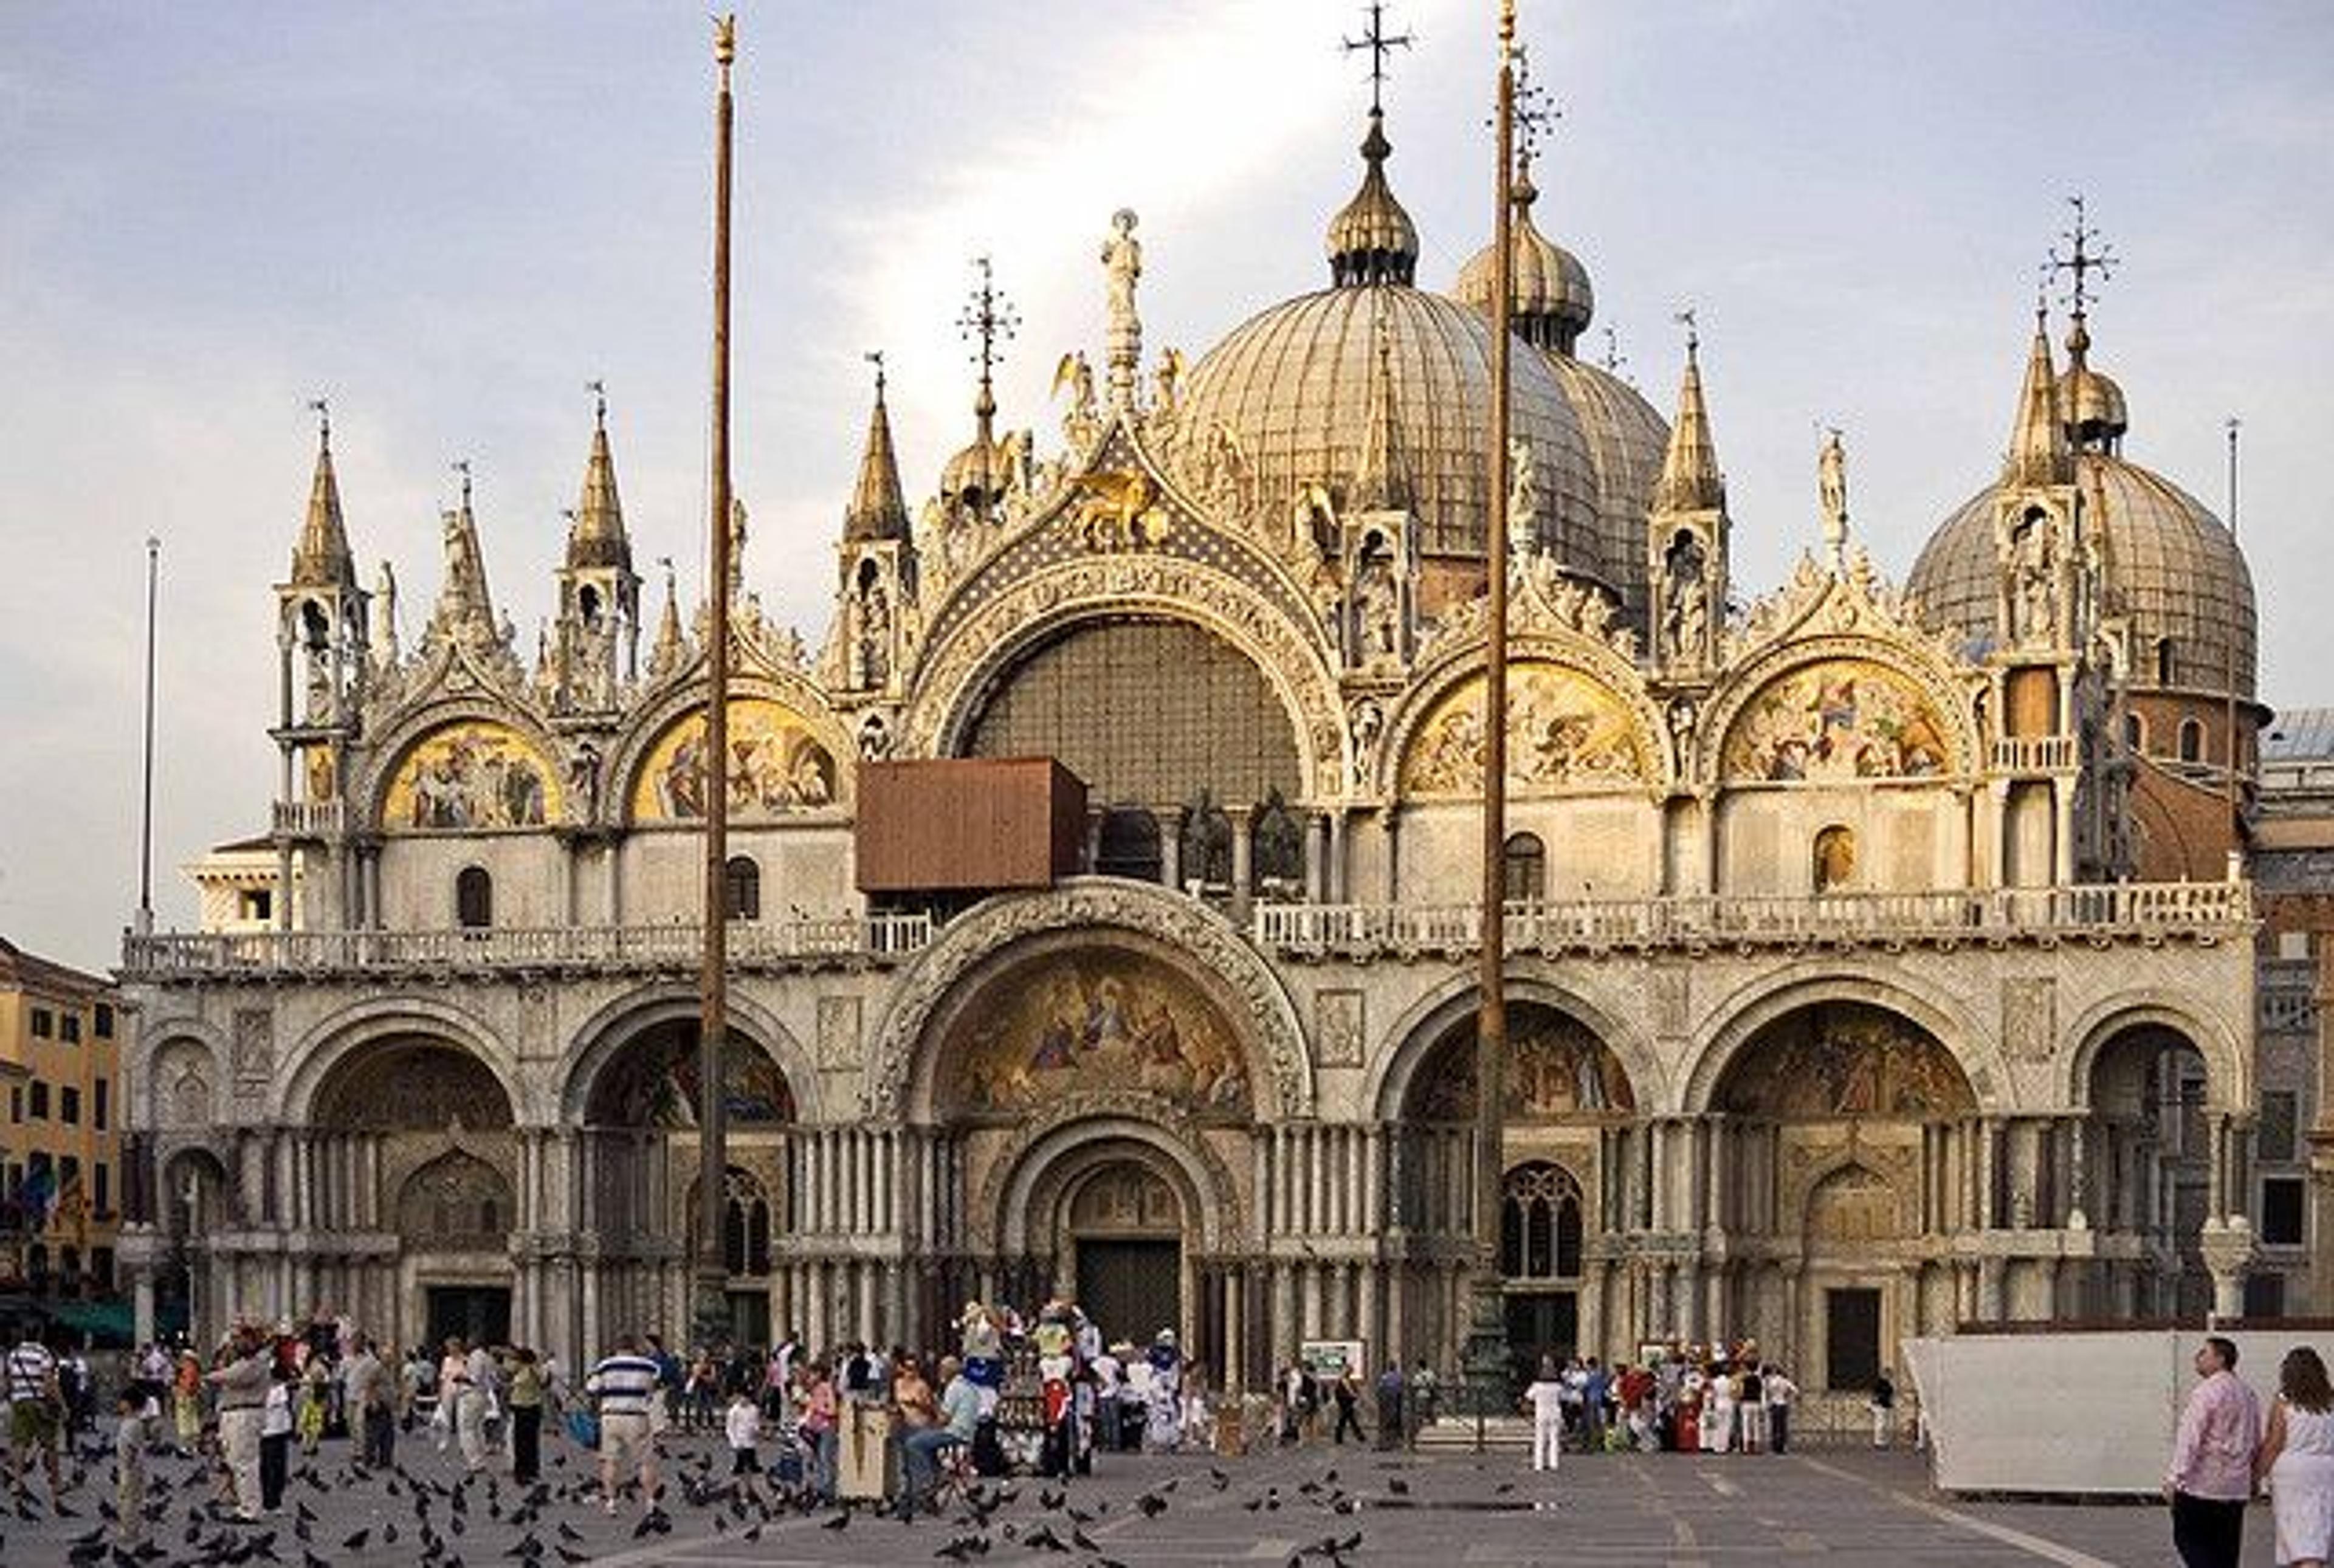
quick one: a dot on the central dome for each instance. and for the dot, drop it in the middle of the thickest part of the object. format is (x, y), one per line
(1294, 386)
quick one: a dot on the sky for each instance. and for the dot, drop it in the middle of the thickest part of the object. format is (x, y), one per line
(448, 217)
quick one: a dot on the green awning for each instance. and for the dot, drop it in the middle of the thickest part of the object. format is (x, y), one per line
(109, 1319)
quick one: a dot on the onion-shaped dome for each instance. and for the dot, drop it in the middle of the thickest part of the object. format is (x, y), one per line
(1550, 302)
(1295, 388)
(974, 475)
(2093, 408)
(2173, 573)
(1372, 239)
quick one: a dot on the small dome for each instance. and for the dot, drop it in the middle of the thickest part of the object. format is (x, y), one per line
(1550, 301)
(2093, 408)
(2173, 573)
(974, 475)
(1293, 387)
(1372, 239)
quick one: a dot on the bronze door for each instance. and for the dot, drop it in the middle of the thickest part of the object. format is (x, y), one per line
(1132, 1289)
(1851, 1338)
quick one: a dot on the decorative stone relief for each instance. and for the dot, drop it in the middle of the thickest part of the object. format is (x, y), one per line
(1338, 1036)
(2029, 1017)
(838, 1031)
(1210, 943)
(255, 1049)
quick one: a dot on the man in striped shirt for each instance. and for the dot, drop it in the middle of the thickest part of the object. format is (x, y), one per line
(36, 1410)
(624, 1385)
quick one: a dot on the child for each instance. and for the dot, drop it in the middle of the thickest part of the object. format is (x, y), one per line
(745, 1427)
(130, 1469)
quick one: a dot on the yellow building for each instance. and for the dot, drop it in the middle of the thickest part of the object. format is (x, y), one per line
(60, 1146)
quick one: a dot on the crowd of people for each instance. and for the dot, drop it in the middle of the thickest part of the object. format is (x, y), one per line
(1690, 1399)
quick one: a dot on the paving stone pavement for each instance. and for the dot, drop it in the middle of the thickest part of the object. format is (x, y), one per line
(1839, 1505)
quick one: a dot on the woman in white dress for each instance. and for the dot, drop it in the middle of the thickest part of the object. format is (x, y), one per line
(2296, 1460)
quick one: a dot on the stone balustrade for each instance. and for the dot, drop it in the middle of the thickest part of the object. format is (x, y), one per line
(2106, 911)
(2034, 754)
(676, 947)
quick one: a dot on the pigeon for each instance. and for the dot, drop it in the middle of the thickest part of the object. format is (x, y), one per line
(840, 1522)
(1043, 1539)
(568, 1532)
(356, 1542)
(569, 1554)
(1082, 1541)
(1152, 1504)
(1398, 1486)
(1218, 1478)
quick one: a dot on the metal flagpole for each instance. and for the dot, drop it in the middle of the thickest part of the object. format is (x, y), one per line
(712, 1129)
(1486, 1338)
(146, 810)
(2229, 678)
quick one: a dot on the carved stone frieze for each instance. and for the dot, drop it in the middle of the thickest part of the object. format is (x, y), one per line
(1210, 944)
(1125, 1105)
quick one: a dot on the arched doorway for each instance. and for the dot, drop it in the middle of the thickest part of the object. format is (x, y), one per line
(1122, 1228)
(1569, 1099)
(197, 1202)
(413, 1135)
(1832, 1122)
(2150, 1161)
(642, 1172)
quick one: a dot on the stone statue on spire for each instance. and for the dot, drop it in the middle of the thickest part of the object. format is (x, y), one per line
(1122, 261)
(1831, 475)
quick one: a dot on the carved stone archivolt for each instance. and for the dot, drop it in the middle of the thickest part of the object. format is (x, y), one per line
(958, 672)
(1089, 1119)
(1210, 945)
(1903, 661)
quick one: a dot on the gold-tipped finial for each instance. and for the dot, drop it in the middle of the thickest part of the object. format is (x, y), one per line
(1686, 319)
(462, 466)
(875, 358)
(989, 321)
(322, 407)
(725, 40)
(2084, 257)
(599, 390)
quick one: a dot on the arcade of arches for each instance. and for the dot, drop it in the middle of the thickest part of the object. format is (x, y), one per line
(1093, 1113)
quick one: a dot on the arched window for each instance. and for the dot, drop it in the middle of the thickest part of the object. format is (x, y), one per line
(2164, 661)
(2135, 734)
(1539, 1223)
(741, 888)
(1206, 856)
(1523, 870)
(1835, 859)
(474, 899)
(2192, 740)
(1129, 844)
(1279, 839)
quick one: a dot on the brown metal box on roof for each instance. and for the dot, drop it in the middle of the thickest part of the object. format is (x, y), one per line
(967, 825)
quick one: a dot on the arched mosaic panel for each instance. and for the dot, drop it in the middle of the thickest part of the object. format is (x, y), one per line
(653, 1082)
(1841, 719)
(1097, 1020)
(1565, 730)
(1838, 1059)
(775, 767)
(475, 773)
(1556, 1067)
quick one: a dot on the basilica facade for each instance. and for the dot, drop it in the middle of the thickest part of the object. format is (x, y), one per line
(1877, 960)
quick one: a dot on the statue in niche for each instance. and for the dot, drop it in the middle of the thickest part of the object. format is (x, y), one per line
(874, 739)
(2033, 581)
(1377, 607)
(1685, 621)
(874, 634)
(583, 779)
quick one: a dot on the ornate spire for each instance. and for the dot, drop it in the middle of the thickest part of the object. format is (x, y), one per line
(465, 612)
(1689, 480)
(321, 559)
(671, 647)
(2038, 452)
(597, 537)
(877, 509)
(1372, 239)
(1384, 484)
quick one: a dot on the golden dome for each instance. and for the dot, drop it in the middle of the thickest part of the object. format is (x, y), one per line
(2173, 573)
(1295, 388)
(1550, 301)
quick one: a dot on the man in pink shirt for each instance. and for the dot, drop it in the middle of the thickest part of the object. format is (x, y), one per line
(2211, 1474)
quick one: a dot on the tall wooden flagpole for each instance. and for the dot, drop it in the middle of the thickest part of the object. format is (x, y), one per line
(712, 1117)
(1486, 1346)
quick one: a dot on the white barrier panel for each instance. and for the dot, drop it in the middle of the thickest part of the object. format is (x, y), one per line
(2074, 1413)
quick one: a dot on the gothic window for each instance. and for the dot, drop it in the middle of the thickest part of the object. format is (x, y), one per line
(1523, 870)
(2192, 740)
(1539, 1223)
(2135, 734)
(1279, 848)
(474, 899)
(315, 629)
(741, 888)
(587, 601)
(1129, 845)
(745, 1223)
